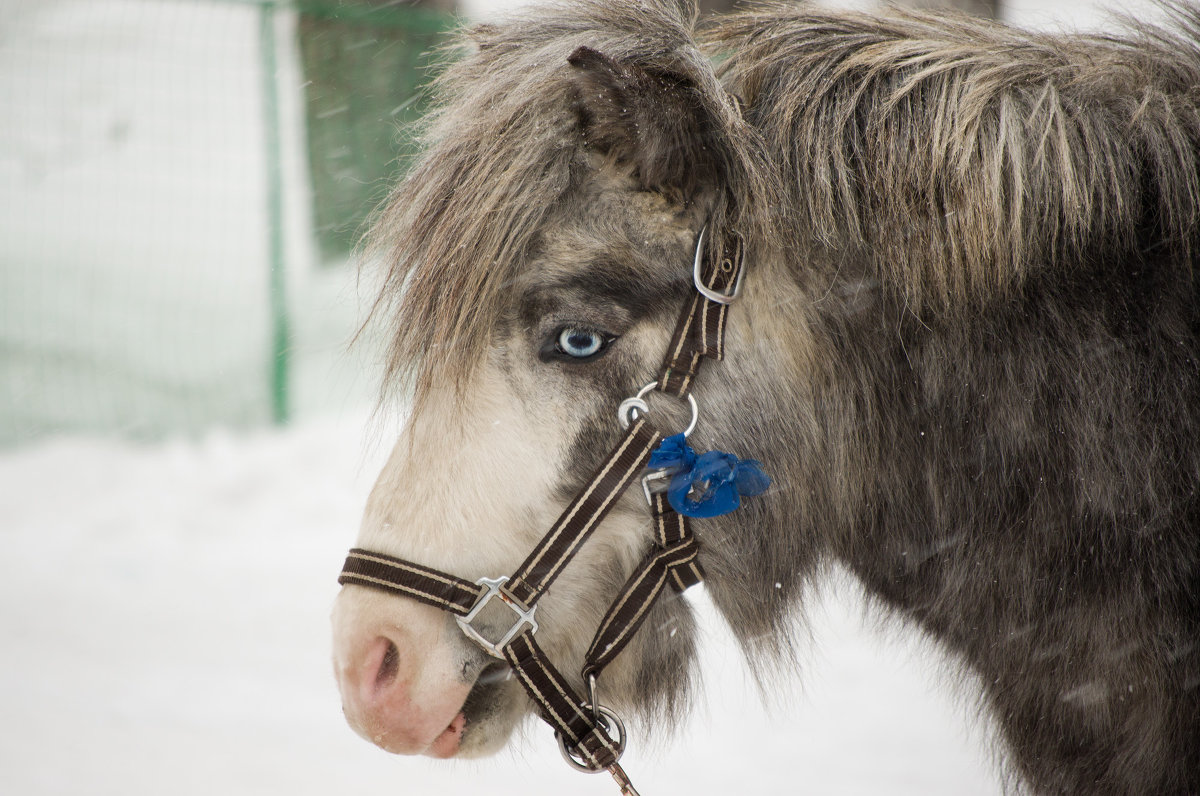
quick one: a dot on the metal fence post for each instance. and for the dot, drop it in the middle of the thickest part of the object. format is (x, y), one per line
(280, 322)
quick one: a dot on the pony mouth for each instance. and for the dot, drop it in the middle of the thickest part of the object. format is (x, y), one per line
(483, 702)
(484, 697)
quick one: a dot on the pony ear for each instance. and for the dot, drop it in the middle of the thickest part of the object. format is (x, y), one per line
(652, 121)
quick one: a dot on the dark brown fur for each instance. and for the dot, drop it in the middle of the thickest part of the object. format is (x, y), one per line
(971, 348)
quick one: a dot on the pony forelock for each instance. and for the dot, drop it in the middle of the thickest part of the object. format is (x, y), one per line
(500, 148)
(954, 155)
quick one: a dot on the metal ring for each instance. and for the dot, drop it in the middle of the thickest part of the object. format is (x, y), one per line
(627, 411)
(611, 721)
(592, 701)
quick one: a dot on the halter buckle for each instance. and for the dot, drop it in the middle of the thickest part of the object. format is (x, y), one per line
(524, 617)
(655, 482)
(698, 279)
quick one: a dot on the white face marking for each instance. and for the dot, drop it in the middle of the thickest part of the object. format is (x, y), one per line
(459, 478)
(470, 488)
(478, 478)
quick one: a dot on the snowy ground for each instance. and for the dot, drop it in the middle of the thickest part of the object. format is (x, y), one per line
(164, 625)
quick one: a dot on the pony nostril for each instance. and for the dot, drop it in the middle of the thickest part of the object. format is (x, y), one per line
(389, 667)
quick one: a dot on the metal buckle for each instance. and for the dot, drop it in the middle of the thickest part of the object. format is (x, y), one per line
(492, 589)
(656, 482)
(705, 290)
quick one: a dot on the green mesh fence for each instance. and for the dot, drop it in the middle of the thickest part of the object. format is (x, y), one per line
(181, 183)
(363, 67)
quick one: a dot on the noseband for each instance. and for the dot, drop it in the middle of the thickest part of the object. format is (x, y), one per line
(590, 735)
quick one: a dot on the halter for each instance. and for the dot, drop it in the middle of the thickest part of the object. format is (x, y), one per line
(591, 736)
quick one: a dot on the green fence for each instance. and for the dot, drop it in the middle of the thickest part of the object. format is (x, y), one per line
(363, 69)
(181, 184)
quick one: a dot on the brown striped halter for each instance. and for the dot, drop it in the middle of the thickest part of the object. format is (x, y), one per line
(585, 728)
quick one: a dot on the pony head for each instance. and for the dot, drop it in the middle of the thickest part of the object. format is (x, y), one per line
(540, 254)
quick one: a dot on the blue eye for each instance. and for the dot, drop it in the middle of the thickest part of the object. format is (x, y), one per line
(580, 343)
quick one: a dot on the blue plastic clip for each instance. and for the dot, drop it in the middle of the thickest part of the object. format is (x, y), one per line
(707, 484)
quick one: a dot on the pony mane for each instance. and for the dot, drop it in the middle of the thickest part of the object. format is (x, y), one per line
(500, 148)
(957, 155)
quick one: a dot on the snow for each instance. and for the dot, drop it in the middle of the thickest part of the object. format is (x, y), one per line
(164, 610)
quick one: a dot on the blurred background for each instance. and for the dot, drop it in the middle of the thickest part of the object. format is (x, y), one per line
(182, 183)
(185, 433)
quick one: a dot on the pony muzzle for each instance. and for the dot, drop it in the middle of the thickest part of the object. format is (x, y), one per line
(399, 683)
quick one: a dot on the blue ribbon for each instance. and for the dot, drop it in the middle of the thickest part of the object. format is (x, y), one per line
(707, 484)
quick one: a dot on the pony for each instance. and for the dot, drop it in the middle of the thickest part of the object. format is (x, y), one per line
(967, 351)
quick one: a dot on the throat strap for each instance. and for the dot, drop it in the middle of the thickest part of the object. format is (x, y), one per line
(673, 561)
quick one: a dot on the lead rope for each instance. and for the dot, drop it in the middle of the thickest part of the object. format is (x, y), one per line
(583, 726)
